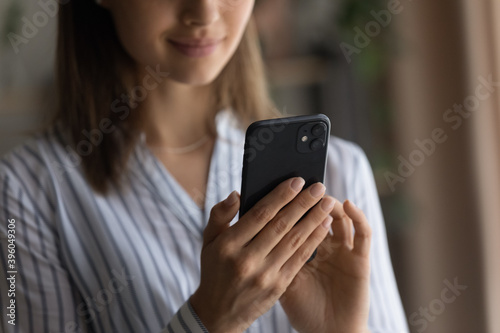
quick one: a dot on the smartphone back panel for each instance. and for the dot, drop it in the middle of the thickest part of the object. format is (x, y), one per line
(278, 149)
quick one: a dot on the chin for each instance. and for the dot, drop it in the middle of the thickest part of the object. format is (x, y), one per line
(195, 77)
(198, 81)
(193, 80)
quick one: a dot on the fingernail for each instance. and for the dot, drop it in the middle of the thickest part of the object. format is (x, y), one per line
(231, 199)
(317, 190)
(297, 184)
(327, 204)
(352, 203)
(327, 222)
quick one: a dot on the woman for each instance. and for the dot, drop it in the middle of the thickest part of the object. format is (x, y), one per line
(114, 204)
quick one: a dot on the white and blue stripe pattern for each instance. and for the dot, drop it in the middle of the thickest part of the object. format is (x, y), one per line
(129, 261)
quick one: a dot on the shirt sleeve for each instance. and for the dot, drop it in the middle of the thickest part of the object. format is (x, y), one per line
(185, 321)
(350, 174)
(40, 296)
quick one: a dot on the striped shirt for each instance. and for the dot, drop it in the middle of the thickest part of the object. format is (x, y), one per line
(129, 261)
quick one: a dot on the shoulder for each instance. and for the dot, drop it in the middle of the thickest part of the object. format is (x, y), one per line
(345, 156)
(33, 164)
(338, 146)
(348, 170)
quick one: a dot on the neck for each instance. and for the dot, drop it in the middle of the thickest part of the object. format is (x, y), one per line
(177, 114)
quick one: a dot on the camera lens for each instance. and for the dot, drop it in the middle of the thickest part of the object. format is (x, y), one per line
(318, 129)
(316, 144)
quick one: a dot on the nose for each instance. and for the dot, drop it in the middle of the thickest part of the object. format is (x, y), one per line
(201, 12)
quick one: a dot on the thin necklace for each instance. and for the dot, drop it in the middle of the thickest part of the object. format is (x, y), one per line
(182, 150)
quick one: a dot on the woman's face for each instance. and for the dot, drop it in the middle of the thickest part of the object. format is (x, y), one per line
(192, 40)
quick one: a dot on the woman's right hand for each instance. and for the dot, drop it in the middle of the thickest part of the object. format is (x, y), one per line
(246, 268)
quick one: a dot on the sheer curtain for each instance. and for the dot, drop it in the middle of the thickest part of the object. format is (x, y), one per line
(483, 45)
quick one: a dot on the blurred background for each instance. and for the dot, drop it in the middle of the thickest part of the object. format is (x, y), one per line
(414, 83)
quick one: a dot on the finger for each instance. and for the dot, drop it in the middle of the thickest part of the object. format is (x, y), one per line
(350, 231)
(265, 210)
(284, 221)
(220, 216)
(304, 252)
(342, 234)
(300, 234)
(326, 248)
(363, 231)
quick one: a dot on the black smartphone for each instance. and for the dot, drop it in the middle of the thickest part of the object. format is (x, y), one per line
(279, 149)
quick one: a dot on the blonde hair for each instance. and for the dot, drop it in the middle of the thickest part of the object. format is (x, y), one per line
(91, 75)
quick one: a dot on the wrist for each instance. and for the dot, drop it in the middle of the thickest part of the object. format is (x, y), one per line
(201, 312)
(361, 330)
(213, 321)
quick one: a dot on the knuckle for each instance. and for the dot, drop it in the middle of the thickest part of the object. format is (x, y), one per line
(227, 238)
(286, 194)
(367, 232)
(280, 225)
(317, 237)
(242, 267)
(263, 281)
(286, 278)
(304, 254)
(296, 241)
(224, 249)
(260, 281)
(215, 212)
(318, 215)
(263, 213)
(278, 289)
(303, 202)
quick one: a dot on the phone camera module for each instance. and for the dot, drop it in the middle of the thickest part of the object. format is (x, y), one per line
(316, 144)
(318, 130)
(311, 137)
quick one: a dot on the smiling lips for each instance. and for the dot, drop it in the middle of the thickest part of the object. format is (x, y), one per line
(195, 48)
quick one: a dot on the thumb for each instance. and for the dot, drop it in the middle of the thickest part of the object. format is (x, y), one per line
(220, 216)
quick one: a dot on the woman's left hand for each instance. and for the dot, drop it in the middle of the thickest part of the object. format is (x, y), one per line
(331, 293)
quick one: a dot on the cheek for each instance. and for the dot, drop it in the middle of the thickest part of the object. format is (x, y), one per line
(236, 19)
(237, 16)
(140, 35)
